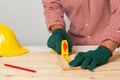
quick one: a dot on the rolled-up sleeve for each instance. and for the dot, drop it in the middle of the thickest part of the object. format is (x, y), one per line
(53, 12)
(112, 32)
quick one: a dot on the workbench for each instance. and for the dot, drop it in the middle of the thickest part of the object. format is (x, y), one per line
(45, 63)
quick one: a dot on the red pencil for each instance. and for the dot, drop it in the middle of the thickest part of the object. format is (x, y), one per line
(21, 68)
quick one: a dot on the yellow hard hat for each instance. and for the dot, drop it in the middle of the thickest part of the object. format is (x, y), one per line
(9, 45)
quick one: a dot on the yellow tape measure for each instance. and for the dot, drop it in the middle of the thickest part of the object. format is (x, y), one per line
(64, 50)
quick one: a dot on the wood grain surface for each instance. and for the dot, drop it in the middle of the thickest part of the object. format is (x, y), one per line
(112, 65)
(48, 68)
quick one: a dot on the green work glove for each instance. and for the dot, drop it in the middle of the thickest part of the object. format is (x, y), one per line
(91, 59)
(56, 38)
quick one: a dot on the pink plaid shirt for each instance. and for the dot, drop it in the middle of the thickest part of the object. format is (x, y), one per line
(92, 21)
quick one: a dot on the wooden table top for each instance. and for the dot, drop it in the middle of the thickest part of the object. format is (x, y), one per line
(47, 67)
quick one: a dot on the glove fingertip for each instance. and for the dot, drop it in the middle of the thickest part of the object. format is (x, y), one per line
(71, 63)
(91, 68)
(92, 65)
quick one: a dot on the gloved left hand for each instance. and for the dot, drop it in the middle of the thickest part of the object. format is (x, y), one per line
(91, 59)
(56, 38)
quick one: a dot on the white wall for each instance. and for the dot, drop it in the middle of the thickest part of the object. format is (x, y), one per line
(26, 19)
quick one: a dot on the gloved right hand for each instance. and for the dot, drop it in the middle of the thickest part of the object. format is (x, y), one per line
(56, 38)
(92, 59)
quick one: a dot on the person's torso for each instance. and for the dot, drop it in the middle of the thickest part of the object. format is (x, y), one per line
(88, 19)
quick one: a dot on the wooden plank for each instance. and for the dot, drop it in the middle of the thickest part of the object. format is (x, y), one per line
(112, 65)
(48, 68)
